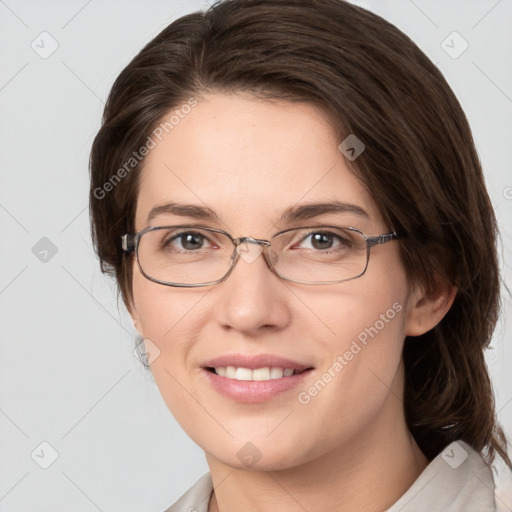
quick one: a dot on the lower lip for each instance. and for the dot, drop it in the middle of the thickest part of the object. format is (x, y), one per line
(254, 391)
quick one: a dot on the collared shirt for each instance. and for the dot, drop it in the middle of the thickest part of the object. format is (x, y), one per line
(457, 480)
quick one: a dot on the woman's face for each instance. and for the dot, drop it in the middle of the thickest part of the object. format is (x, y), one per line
(248, 161)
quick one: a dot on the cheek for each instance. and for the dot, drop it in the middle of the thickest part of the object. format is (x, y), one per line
(360, 374)
(171, 319)
(364, 310)
(370, 349)
(368, 340)
(159, 309)
(364, 340)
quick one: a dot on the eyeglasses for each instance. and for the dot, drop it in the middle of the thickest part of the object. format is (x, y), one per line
(191, 256)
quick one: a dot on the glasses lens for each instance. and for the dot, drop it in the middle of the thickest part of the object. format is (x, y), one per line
(184, 255)
(188, 255)
(320, 254)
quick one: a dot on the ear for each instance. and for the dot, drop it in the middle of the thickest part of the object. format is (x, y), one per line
(427, 309)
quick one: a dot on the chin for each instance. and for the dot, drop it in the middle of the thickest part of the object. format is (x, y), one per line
(264, 455)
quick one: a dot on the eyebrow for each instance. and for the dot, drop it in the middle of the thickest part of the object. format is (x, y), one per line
(309, 211)
(292, 214)
(183, 210)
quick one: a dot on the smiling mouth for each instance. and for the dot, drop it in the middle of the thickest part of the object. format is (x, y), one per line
(258, 374)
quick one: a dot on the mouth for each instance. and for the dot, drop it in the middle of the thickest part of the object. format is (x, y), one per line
(265, 373)
(254, 379)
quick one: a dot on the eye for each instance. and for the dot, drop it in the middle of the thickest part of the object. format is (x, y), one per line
(324, 240)
(187, 241)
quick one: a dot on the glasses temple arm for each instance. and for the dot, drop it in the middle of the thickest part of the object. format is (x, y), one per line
(128, 242)
(381, 239)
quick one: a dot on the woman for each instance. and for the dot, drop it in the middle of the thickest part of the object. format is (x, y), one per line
(250, 161)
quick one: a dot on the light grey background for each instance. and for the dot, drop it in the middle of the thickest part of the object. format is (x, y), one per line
(68, 375)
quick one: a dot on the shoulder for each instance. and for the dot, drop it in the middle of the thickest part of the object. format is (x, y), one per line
(457, 480)
(197, 498)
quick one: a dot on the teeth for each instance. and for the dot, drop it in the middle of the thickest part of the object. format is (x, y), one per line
(266, 373)
(276, 373)
(243, 374)
(260, 373)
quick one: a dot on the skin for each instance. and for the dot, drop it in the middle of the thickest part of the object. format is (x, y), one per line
(249, 160)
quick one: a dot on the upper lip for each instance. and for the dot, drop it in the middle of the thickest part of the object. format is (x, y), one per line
(255, 361)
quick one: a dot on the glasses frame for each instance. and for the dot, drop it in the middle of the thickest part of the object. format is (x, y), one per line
(130, 243)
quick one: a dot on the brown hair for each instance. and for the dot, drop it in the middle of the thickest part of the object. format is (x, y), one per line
(420, 166)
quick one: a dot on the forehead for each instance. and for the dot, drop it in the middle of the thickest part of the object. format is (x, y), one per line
(248, 160)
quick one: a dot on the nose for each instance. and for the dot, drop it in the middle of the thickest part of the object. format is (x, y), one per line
(252, 298)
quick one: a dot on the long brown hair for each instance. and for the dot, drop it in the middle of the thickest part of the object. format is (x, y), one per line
(420, 166)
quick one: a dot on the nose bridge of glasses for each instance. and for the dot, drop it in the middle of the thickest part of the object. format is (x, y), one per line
(249, 248)
(250, 240)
